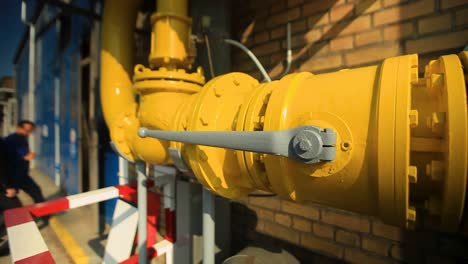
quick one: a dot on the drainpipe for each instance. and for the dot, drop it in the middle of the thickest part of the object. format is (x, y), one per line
(208, 227)
(31, 73)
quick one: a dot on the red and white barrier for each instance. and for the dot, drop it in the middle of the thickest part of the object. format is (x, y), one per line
(28, 246)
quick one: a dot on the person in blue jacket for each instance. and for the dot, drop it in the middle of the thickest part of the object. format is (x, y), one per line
(18, 158)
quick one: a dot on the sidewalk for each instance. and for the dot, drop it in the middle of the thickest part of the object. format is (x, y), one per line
(68, 235)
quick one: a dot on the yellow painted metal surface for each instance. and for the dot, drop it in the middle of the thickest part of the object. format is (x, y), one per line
(401, 140)
(170, 39)
(383, 142)
(161, 91)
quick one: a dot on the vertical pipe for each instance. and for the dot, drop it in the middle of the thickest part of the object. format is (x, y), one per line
(57, 130)
(208, 227)
(31, 82)
(123, 171)
(142, 212)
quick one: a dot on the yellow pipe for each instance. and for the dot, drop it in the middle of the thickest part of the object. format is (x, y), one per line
(399, 137)
(117, 57)
(401, 140)
(117, 97)
(170, 38)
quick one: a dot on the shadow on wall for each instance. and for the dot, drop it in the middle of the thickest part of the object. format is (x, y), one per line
(322, 242)
(249, 231)
(330, 35)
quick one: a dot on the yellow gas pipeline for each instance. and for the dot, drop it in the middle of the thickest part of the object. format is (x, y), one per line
(401, 140)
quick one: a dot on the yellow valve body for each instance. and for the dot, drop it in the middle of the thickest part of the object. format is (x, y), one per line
(401, 140)
(384, 143)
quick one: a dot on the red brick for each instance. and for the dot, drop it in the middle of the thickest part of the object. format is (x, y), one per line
(322, 63)
(279, 32)
(357, 256)
(342, 43)
(318, 20)
(313, 35)
(367, 38)
(301, 210)
(298, 26)
(388, 3)
(347, 221)
(398, 31)
(452, 3)
(263, 213)
(342, 28)
(367, 6)
(434, 24)
(281, 232)
(325, 231)
(245, 66)
(438, 43)
(339, 12)
(266, 202)
(314, 7)
(302, 224)
(319, 49)
(277, 6)
(321, 245)
(283, 17)
(412, 10)
(260, 226)
(348, 238)
(461, 17)
(293, 3)
(261, 37)
(372, 54)
(283, 219)
(378, 246)
(267, 48)
(386, 231)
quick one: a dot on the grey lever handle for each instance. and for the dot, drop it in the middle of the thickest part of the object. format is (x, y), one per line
(308, 144)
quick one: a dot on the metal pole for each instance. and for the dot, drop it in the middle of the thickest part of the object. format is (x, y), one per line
(208, 227)
(57, 130)
(31, 83)
(123, 171)
(142, 212)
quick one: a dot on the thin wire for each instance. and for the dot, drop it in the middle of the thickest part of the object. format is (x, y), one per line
(288, 53)
(251, 55)
(210, 60)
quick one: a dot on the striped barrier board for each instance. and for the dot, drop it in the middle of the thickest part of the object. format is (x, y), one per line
(22, 230)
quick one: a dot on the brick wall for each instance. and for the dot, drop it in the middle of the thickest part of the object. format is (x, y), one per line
(330, 35)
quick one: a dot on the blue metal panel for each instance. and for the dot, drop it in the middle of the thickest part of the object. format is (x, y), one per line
(22, 80)
(47, 54)
(70, 137)
(111, 167)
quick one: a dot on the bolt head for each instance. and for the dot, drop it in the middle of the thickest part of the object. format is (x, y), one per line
(308, 145)
(305, 145)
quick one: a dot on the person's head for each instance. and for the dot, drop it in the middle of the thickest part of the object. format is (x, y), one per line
(25, 127)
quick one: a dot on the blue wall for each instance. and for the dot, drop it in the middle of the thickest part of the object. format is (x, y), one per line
(58, 54)
(57, 57)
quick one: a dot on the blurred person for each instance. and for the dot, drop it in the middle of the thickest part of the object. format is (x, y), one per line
(19, 156)
(8, 198)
